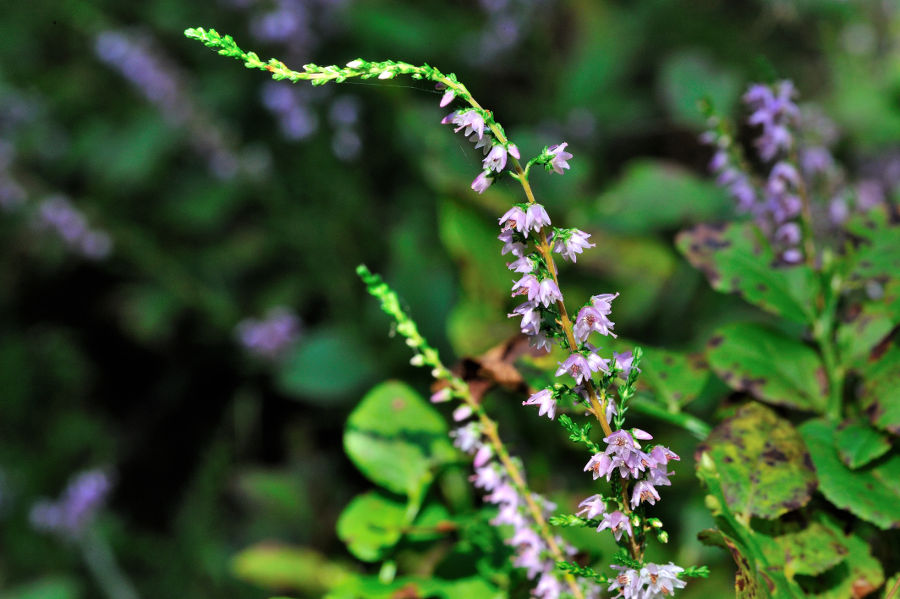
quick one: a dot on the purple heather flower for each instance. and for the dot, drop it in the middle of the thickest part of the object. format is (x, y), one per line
(505, 494)
(592, 507)
(545, 400)
(577, 366)
(595, 362)
(774, 110)
(560, 157)
(625, 361)
(469, 120)
(591, 319)
(530, 560)
(599, 465)
(447, 97)
(467, 437)
(869, 193)
(838, 211)
(548, 293)
(792, 256)
(496, 159)
(539, 341)
(617, 523)
(661, 581)
(441, 396)
(513, 151)
(77, 506)
(788, 234)
(515, 218)
(644, 491)
(484, 143)
(603, 302)
(531, 318)
(816, 160)
(487, 478)
(272, 336)
(461, 413)
(527, 537)
(627, 582)
(516, 248)
(482, 182)
(522, 265)
(56, 213)
(528, 285)
(548, 587)
(575, 242)
(535, 218)
(662, 455)
(659, 477)
(482, 456)
(641, 434)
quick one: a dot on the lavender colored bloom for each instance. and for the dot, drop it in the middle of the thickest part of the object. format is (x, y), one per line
(662, 455)
(816, 160)
(447, 97)
(788, 234)
(522, 265)
(467, 437)
(627, 582)
(528, 285)
(592, 507)
(441, 396)
(617, 523)
(548, 587)
(577, 366)
(869, 193)
(271, 337)
(548, 293)
(560, 157)
(482, 182)
(469, 121)
(539, 341)
(661, 581)
(599, 465)
(575, 242)
(591, 319)
(531, 318)
(487, 478)
(505, 494)
(513, 151)
(461, 413)
(484, 143)
(644, 491)
(510, 245)
(535, 218)
(838, 211)
(482, 456)
(515, 218)
(496, 159)
(774, 110)
(792, 256)
(625, 362)
(56, 213)
(76, 508)
(595, 362)
(546, 402)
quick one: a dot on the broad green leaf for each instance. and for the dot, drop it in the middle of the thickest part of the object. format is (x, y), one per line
(737, 259)
(880, 394)
(769, 365)
(326, 365)
(372, 524)
(687, 78)
(858, 443)
(370, 587)
(278, 567)
(879, 255)
(761, 461)
(653, 195)
(857, 576)
(866, 326)
(747, 583)
(45, 588)
(397, 439)
(871, 492)
(892, 586)
(275, 492)
(809, 551)
(677, 378)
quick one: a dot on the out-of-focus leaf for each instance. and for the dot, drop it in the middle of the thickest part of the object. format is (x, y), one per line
(687, 78)
(867, 325)
(474, 327)
(372, 588)
(275, 492)
(747, 583)
(677, 378)
(736, 259)
(397, 439)
(326, 364)
(46, 588)
(653, 195)
(858, 443)
(857, 576)
(277, 567)
(769, 365)
(761, 462)
(809, 551)
(372, 524)
(433, 522)
(871, 492)
(879, 256)
(880, 394)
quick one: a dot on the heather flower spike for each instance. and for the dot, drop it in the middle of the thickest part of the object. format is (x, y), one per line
(526, 234)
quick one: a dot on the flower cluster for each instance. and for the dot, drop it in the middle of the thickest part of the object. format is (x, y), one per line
(650, 582)
(270, 337)
(57, 214)
(73, 512)
(532, 551)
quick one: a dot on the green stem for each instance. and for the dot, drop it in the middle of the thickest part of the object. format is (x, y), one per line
(101, 562)
(688, 422)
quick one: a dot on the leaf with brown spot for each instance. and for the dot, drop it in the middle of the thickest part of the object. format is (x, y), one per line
(858, 443)
(871, 492)
(879, 253)
(809, 551)
(677, 378)
(736, 258)
(880, 391)
(761, 461)
(769, 365)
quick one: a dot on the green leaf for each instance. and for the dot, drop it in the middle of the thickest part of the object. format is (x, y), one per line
(879, 256)
(433, 522)
(372, 524)
(856, 576)
(677, 378)
(277, 567)
(871, 493)
(809, 551)
(858, 443)
(880, 393)
(325, 366)
(737, 259)
(370, 587)
(762, 463)
(865, 326)
(397, 439)
(747, 583)
(634, 205)
(769, 365)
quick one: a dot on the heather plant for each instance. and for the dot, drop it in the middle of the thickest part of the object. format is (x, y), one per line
(591, 385)
(818, 252)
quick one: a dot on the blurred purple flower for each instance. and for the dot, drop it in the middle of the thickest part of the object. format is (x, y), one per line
(57, 214)
(73, 512)
(272, 336)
